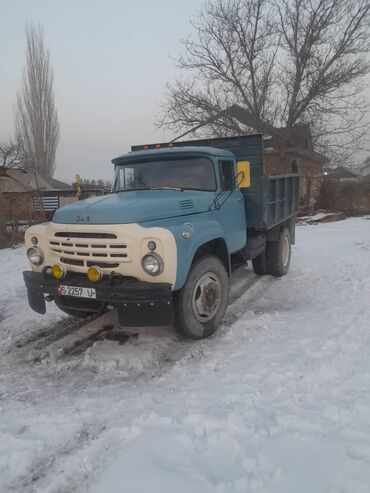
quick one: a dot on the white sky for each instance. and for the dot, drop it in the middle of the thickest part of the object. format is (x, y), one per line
(111, 62)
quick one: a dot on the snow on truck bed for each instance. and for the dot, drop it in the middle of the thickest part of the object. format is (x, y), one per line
(277, 401)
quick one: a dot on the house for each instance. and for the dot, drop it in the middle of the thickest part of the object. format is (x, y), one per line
(18, 180)
(294, 150)
(20, 189)
(27, 197)
(346, 191)
(364, 171)
(288, 149)
(340, 174)
(36, 193)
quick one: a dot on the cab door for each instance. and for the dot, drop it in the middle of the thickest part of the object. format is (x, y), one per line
(232, 210)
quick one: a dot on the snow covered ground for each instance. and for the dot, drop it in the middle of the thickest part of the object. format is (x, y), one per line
(278, 401)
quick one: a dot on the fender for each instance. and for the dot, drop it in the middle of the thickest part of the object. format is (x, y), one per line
(191, 232)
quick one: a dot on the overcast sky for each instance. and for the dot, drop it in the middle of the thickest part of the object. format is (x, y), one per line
(111, 61)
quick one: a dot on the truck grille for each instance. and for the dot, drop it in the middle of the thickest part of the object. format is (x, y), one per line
(85, 249)
(74, 234)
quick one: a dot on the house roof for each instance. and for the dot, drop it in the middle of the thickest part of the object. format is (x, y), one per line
(293, 138)
(298, 136)
(341, 172)
(247, 118)
(58, 185)
(21, 180)
(364, 169)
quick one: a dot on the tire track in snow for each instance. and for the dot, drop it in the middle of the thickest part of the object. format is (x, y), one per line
(46, 336)
(45, 342)
(176, 351)
(45, 465)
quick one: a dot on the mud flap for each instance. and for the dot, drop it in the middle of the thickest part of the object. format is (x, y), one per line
(146, 314)
(36, 300)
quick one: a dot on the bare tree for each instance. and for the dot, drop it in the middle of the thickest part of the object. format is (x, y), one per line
(10, 157)
(36, 119)
(11, 154)
(325, 45)
(229, 60)
(286, 62)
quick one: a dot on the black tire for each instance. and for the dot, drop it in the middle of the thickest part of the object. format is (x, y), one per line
(194, 301)
(278, 254)
(260, 264)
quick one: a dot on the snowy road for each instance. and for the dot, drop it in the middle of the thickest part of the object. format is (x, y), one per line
(277, 402)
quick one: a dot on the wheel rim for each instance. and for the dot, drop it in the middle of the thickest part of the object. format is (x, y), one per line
(285, 251)
(207, 296)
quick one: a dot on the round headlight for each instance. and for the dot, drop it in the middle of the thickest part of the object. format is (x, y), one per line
(35, 255)
(94, 274)
(34, 240)
(59, 271)
(152, 264)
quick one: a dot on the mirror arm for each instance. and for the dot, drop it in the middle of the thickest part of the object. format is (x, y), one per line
(237, 180)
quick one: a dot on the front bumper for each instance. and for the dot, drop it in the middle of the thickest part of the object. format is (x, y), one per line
(138, 303)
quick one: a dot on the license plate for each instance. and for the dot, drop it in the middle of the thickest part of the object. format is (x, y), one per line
(76, 291)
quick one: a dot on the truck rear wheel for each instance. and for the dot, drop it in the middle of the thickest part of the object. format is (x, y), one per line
(278, 254)
(203, 300)
(260, 264)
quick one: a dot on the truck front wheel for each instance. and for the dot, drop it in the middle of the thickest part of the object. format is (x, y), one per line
(202, 302)
(278, 254)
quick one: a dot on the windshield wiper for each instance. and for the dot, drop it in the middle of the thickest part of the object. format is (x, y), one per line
(151, 188)
(168, 188)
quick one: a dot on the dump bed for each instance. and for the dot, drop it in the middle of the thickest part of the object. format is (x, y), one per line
(269, 200)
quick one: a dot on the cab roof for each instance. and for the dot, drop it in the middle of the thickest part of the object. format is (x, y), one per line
(149, 154)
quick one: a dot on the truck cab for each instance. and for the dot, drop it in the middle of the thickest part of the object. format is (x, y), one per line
(159, 247)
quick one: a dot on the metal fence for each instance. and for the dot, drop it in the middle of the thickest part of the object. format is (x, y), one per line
(48, 203)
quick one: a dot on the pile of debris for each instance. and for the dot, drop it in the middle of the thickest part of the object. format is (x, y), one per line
(321, 216)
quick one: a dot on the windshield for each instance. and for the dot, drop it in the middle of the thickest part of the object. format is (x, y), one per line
(188, 173)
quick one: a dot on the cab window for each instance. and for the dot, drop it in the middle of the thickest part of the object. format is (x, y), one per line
(227, 175)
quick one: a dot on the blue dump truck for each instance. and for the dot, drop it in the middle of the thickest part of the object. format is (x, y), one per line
(160, 247)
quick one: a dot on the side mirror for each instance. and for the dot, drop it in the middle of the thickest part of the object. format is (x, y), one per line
(244, 174)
